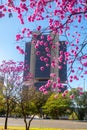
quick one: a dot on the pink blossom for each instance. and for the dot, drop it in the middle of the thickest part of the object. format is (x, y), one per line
(23, 0)
(45, 92)
(46, 44)
(47, 85)
(79, 88)
(60, 58)
(59, 85)
(49, 38)
(1, 6)
(23, 6)
(61, 53)
(71, 77)
(80, 68)
(47, 49)
(47, 65)
(66, 91)
(72, 71)
(84, 57)
(49, 81)
(17, 47)
(42, 58)
(56, 23)
(60, 67)
(38, 28)
(86, 16)
(42, 68)
(23, 30)
(77, 48)
(79, 18)
(18, 37)
(41, 88)
(63, 94)
(72, 44)
(54, 85)
(1, 14)
(42, 37)
(53, 46)
(45, 59)
(41, 43)
(77, 41)
(80, 93)
(53, 65)
(48, 54)
(36, 46)
(59, 90)
(58, 80)
(66, 43)
(85, 72)
(72, 96)
(75, 77)
(37, 52)
(20, 50)
(4, 9)
(71, 80)
(52, 75)
(85, 64)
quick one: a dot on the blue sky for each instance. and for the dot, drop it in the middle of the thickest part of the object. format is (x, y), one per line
(9, 27)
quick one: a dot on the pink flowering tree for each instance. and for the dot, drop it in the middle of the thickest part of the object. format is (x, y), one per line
(11, 73)
(17, 96)
(64, 18)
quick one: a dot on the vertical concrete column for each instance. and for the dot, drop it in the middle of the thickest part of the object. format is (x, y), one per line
(33, 56)
(54, 54)
(32, 60)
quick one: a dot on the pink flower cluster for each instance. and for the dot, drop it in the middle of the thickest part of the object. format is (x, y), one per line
(12, 71)
(21, 51)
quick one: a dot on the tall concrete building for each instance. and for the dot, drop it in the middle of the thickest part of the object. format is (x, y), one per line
(38, 58)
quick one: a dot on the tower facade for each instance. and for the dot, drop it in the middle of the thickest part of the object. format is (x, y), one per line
(39, 56)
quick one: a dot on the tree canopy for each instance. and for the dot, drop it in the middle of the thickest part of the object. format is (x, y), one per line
(64, 18)
(56, 107)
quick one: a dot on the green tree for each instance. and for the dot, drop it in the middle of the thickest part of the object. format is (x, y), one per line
(7, 102)
(2, 102)
(56, 107)
(10, 72)
(1, 96)
(40, 100)
(79, 103)
(30, 104)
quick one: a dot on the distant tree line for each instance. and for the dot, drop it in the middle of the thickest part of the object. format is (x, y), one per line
(27, 102)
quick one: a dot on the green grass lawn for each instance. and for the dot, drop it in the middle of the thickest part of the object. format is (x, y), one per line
(23, 128)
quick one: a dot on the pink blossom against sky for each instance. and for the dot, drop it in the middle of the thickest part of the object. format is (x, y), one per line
(9, 27)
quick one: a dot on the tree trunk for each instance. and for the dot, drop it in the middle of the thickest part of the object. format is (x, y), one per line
(27, 128)
(30, 122)
(25, 121)
(6, 119)
(27, 124)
